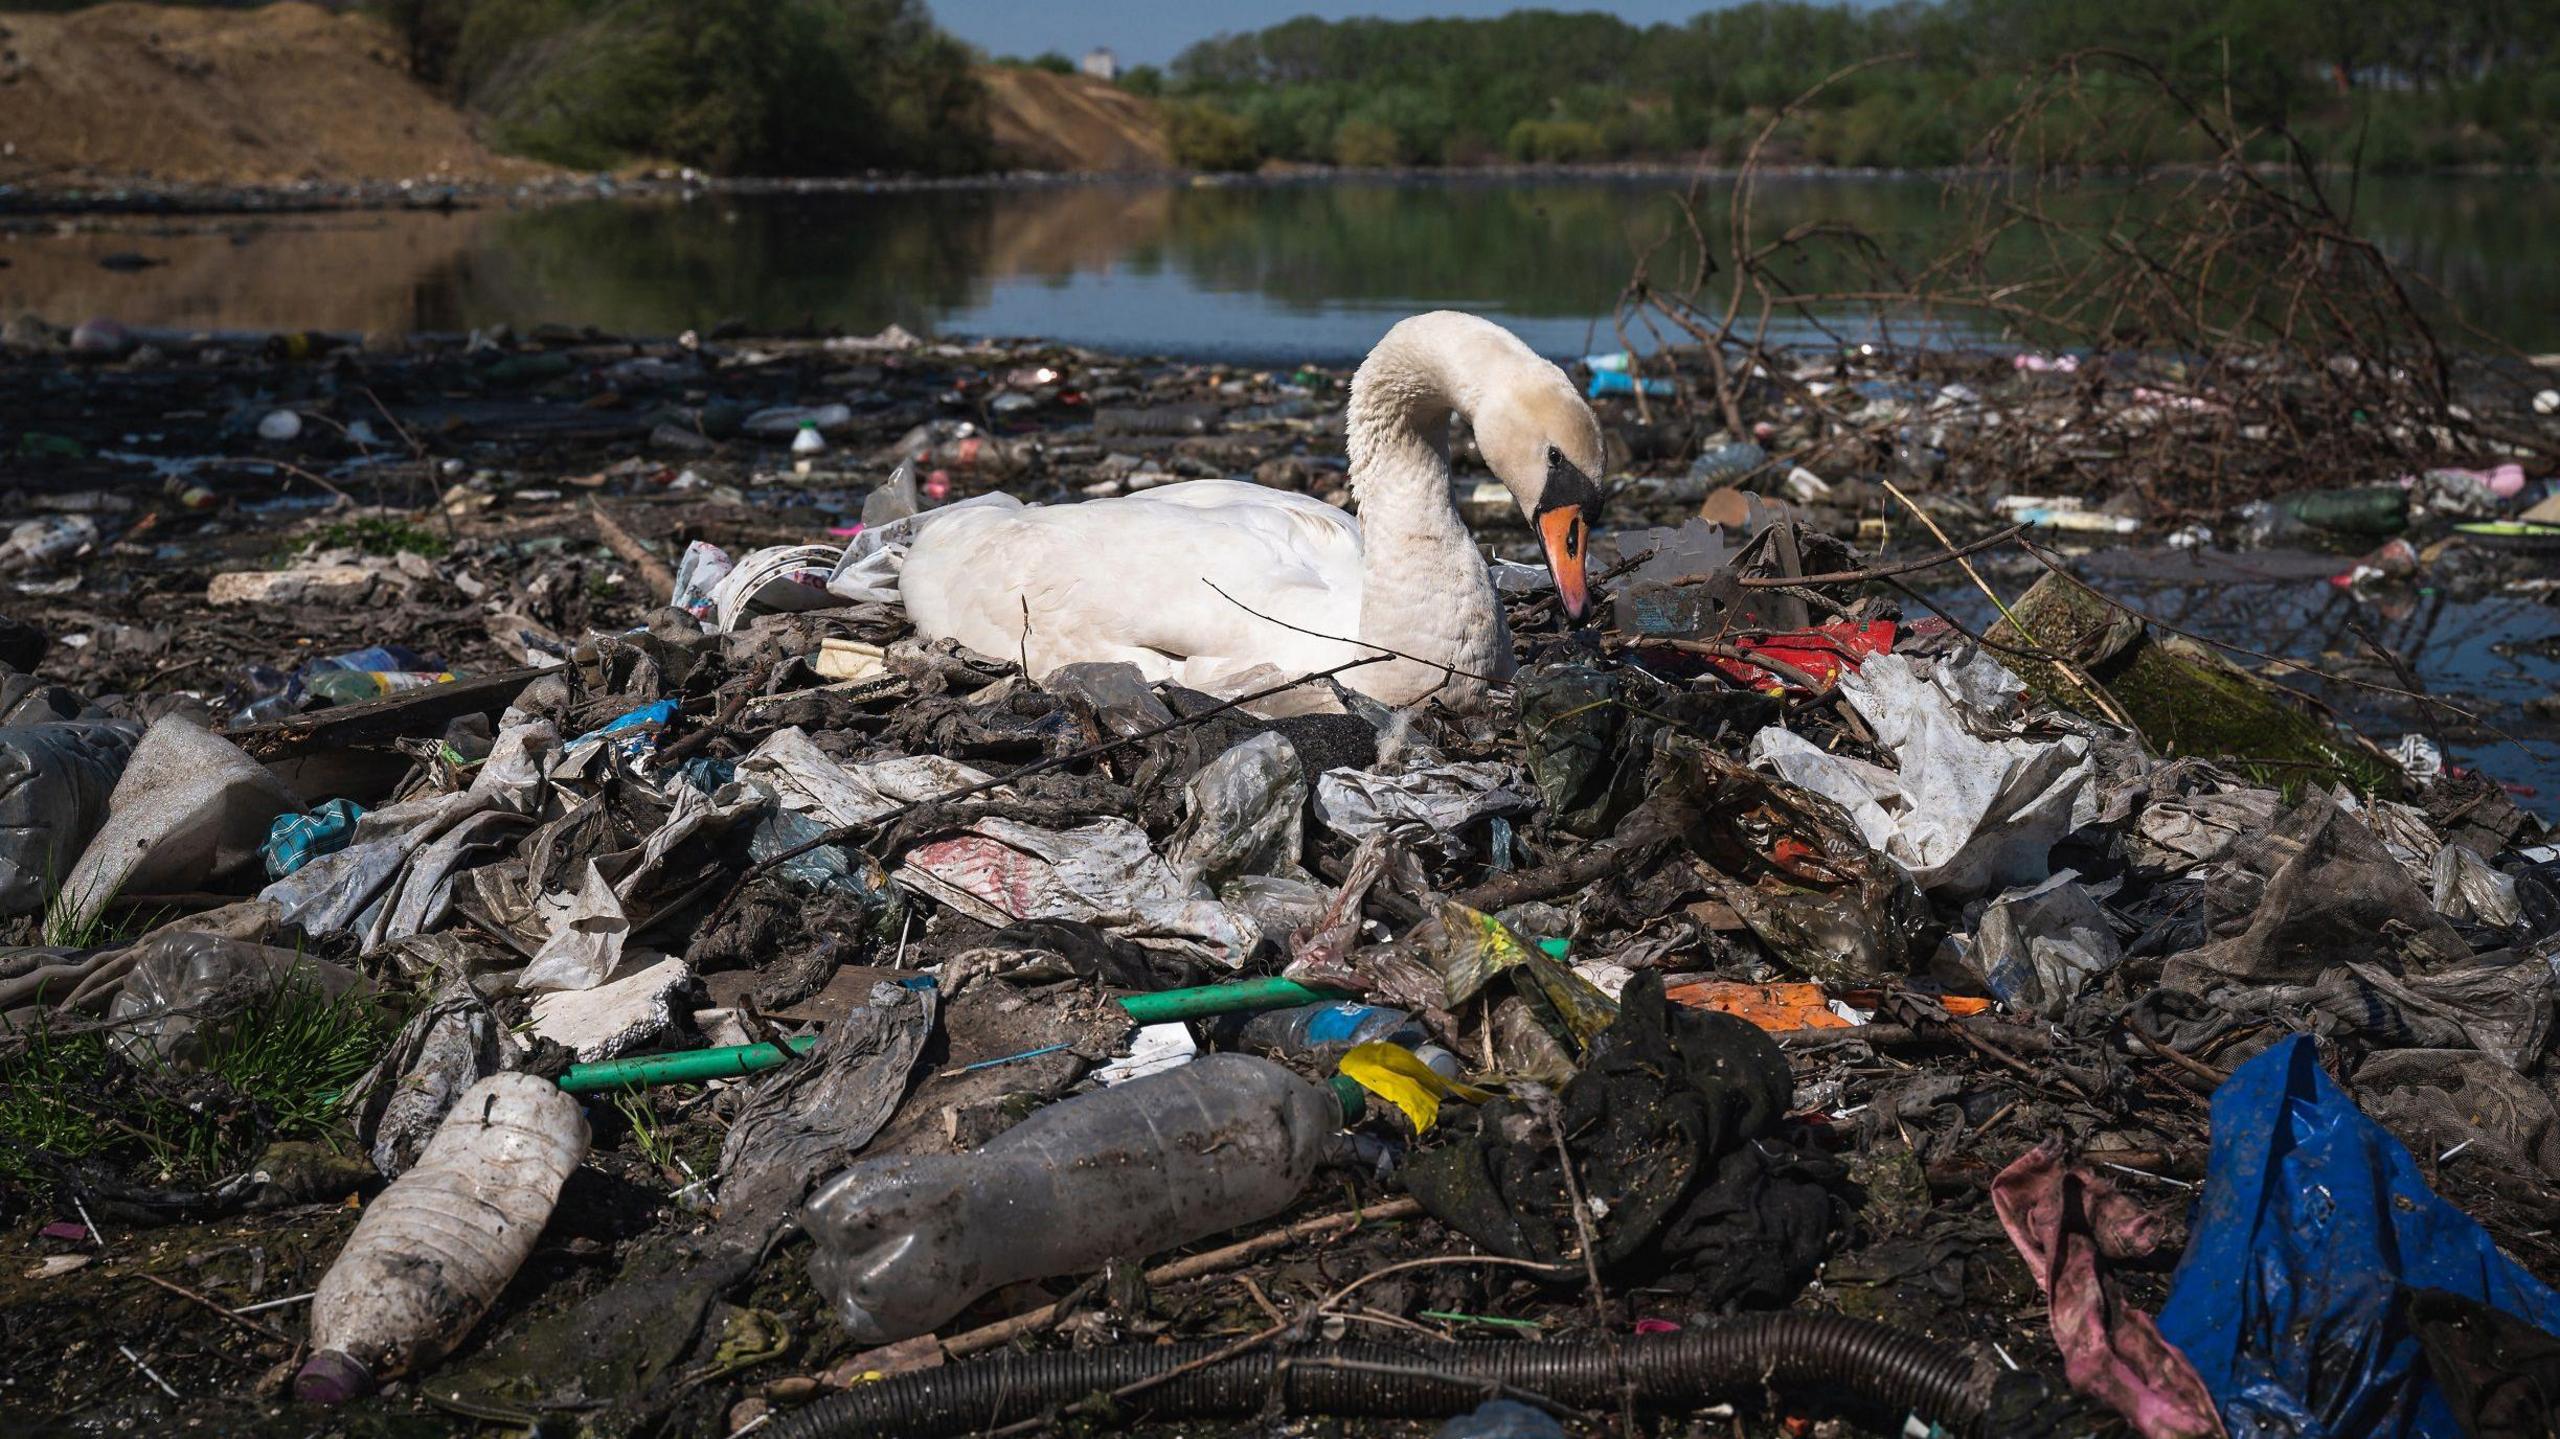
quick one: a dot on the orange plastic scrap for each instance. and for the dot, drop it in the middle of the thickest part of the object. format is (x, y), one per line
(1774, 1007)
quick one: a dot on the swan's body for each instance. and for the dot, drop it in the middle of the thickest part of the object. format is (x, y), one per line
(1140, 578)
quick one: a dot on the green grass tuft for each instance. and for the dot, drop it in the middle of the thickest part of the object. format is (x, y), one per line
(273, 1068)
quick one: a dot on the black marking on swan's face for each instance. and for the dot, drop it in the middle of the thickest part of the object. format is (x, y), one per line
(1567, 486)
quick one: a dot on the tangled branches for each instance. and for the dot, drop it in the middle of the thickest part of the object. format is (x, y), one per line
(2219, 330)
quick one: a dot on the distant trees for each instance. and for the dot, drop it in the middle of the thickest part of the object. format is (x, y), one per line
(2415, 81)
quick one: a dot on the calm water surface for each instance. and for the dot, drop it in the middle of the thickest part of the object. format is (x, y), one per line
(1271, 272)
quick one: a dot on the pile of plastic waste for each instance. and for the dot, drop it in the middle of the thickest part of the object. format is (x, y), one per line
(557, 948)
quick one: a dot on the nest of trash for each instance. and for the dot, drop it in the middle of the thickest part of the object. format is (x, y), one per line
(1786, 1005)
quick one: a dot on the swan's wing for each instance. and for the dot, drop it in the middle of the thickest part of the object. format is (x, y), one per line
(1131, 579)
(1301, 531)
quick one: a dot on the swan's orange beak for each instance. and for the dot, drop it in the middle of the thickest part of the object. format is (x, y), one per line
(1561, 531)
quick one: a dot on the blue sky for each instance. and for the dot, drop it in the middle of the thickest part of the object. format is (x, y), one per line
(1153, 31)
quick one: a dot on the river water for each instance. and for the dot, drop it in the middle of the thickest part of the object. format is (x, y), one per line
(1270, 272)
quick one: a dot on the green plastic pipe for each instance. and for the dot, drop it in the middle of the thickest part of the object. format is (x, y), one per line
(1244, 997)
(694, 1066)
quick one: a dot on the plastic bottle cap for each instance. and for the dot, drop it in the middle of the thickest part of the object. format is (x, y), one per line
(332, 1377)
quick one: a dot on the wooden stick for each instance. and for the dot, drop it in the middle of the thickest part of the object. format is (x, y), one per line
(654, 572)
(252, 1325)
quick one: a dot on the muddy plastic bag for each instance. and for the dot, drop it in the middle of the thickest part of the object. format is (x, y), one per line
(588, 925)
(2319, 888)
(1569, 720)
(444, 1049)
(56, 781)
(1243, 814)
(352, 891)
(2467, 890)
(809, 1119)
(1969, 809)
(1472, 949)
(1115, 694)
(1787, 862)
(1430, 807)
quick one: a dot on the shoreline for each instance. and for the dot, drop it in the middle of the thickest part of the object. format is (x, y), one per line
(146, 196)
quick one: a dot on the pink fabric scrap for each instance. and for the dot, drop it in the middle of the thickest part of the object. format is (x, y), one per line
(2066, 1221)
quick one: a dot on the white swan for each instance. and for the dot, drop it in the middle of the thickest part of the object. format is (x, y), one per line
(1131, 579)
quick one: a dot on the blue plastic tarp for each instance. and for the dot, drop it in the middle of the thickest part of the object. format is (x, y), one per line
(2315, 1224)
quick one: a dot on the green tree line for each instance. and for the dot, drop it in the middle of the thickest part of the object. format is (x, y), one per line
(826, 87)
(2398, 84)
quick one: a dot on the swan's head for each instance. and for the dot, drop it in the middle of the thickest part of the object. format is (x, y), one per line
(1543, 443)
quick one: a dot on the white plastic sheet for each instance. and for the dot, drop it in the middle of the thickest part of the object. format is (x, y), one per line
(1970, 808)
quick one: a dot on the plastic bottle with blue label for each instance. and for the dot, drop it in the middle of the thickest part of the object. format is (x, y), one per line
(1337, 1027)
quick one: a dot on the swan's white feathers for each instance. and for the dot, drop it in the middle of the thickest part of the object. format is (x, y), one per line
(1129, 579)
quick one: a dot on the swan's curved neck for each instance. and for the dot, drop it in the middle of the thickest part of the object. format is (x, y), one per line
(1424, 589)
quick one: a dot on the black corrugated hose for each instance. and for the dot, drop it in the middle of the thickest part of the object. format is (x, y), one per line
(1828, 1353)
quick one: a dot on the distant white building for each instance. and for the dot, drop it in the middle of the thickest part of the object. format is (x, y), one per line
(1101, 64)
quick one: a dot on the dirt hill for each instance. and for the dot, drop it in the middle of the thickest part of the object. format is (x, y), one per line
(289, 92)
(1045, 121)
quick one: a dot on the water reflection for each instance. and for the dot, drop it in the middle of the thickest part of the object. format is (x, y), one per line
(1286, 271)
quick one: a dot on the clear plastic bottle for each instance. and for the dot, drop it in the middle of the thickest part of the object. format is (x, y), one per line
(434, 1249)
(1330, 1029)
(906, 1242)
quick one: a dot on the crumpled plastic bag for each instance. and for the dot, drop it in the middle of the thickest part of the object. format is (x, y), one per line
(1114, 692)
(2468, 891)
(1786, 861)
(1000, 870)
(56, 782)
(2500, 1005)
(2038, 946)
(868, 569)
(1569, 719)
(1472, 949)
(2313, 1229)
(2313, 891)
(2503, 1123)
(357, 889)
(809, 1118)
(1964, 813)
(790, 766)
(589, 926)
(2185, 813)
(1430, 806)
(1244, 810)
(450, 1044)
